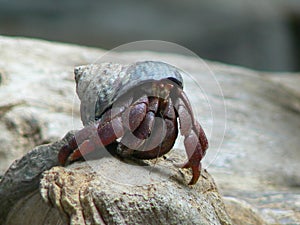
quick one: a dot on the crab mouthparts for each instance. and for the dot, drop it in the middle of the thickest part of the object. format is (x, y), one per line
(162, 90)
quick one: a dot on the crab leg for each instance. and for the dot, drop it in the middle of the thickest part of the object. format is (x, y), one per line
(134, 140)
(195, 141)
(104, 133)
(163, 146)
(76, 140)
(162, 140)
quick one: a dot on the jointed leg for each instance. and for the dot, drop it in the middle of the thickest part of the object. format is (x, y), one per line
(165, 133)
(102, 133)
(195, 141)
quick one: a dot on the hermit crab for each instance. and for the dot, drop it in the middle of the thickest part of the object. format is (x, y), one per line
(137, 109)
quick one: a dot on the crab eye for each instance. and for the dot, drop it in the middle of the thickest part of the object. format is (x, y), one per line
(176, 81)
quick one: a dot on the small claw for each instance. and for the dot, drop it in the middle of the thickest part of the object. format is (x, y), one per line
(196, 174)
(196, 169)
(63, 154)
(73, 144)
(85, 148)
(195, 154)
(135, 114)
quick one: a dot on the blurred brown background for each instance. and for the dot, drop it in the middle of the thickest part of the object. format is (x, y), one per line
(260, 34)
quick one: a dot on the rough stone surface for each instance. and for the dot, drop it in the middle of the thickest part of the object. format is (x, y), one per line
(37, 94)
(257, 163)
(85, 197)
(23, 176)
(242, 212)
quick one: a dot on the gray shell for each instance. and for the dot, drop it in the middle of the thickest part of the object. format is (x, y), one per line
(100, 85)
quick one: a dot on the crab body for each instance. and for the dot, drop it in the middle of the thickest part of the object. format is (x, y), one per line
(137, 108)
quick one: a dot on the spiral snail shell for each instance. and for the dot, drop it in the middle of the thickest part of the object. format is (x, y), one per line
(99, 85)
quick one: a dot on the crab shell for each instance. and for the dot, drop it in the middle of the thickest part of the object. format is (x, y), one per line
(98, 86)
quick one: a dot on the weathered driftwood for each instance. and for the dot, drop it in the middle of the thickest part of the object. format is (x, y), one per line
(88, 193)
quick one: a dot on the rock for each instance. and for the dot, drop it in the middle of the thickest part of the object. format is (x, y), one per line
(22, 202)
(81, 195)
(23, 176)
(257, 162)
(242, 213)
(37, 94)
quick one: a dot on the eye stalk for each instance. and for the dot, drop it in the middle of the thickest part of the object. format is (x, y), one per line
(176, 81)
